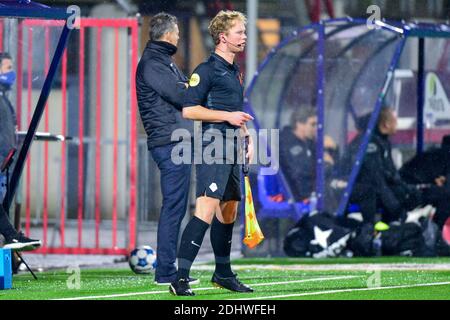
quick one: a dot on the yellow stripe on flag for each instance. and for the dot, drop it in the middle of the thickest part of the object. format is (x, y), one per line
(253, 233)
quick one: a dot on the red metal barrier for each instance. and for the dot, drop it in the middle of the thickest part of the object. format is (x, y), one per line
(99, 26)
(80, 137)
(115, 154)
(29, 113)
(98, 129)
(63, 148)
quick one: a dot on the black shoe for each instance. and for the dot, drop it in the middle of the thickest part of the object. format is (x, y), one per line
(231, 283)
(21, 243)
(192, 281)
(181, 288)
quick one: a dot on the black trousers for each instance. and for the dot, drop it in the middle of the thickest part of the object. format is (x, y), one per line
(364, 196)
(6, 228)
(175, 181)
(439, 197)
(396, 202)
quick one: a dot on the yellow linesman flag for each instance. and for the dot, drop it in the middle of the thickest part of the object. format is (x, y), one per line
(253, 234)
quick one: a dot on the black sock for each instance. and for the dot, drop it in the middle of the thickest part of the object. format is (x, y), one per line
(6, 228)
(221, 235)
(191, 242)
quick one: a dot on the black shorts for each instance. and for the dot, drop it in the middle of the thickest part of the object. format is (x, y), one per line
(219, 181)
(220, 178)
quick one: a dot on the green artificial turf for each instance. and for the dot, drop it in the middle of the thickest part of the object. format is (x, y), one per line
(302, 284)
(381, 260)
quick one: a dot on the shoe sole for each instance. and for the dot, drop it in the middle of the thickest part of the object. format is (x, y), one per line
(174, 292)
(169, 283)
(23, 246)
(215, 284)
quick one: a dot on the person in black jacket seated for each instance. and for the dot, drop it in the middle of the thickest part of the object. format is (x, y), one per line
(379, 184)
(13, 240)
(298, 153)
(161, 89)
(430, 170)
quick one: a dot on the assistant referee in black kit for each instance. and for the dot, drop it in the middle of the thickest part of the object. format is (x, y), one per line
(215, 96)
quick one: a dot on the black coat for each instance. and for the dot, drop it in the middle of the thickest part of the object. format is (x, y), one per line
(8, 138)
(426, 167)
(160, 88)
(379, 172)
(297, 160)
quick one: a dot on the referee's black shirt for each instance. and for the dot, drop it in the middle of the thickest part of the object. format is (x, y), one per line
(216, 85)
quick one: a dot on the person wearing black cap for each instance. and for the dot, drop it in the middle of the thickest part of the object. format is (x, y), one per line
(13, 239)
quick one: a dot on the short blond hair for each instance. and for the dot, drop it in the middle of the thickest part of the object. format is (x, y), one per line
(223, 22)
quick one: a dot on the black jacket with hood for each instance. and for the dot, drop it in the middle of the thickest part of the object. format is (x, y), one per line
(160, 88)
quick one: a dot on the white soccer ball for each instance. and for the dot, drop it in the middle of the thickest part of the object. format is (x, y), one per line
(142, 260)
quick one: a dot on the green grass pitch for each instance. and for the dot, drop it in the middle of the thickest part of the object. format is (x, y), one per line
(286, 279)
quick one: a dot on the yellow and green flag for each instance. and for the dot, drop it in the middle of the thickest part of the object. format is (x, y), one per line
(253, 234)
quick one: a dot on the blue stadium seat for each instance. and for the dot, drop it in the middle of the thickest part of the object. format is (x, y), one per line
(354, 208)
(273, 199)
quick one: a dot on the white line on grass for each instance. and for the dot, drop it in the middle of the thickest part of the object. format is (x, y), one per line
(342, 267)
(347, 290)
(209, 288)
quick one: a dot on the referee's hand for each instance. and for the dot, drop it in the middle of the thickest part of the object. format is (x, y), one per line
(250, 150)
(238, 118)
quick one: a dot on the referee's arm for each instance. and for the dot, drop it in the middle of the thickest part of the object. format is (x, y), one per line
(200, 85)
(200, 113)
(251, 147)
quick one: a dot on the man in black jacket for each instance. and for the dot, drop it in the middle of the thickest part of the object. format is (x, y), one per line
(298, 155)
(379, 184)
(13, 240)
(161, 88)
(7, 115)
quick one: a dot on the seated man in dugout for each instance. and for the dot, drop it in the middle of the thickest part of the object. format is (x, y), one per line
(379, 184)
(298, 154)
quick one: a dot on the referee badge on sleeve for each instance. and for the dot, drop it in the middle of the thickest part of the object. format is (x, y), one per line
(195, 80)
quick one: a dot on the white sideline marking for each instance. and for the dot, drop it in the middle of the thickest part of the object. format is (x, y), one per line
(347, 290)
(209, 288)
(339, 267)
